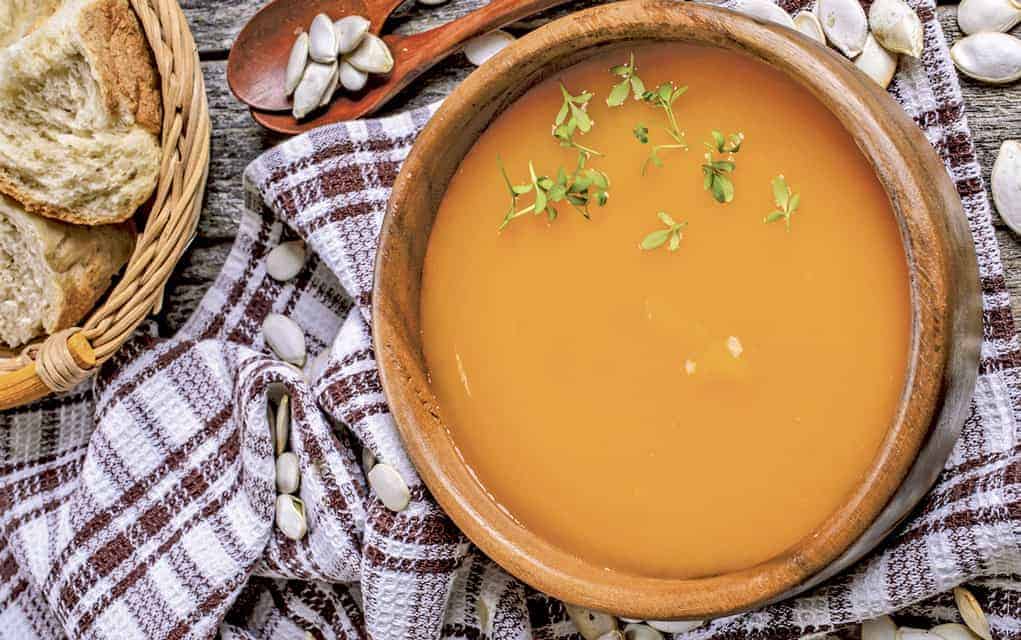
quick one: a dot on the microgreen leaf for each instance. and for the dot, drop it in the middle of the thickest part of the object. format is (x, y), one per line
(618, 94)
(660, 237)
(786, 202)
(641, 133)
(716, 173)
(629, 83)
(663, 97)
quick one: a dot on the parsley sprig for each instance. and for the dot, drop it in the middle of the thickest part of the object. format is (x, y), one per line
(716, 172)
(786, 202)
(659, 237)
(630, 83)
(662, 97)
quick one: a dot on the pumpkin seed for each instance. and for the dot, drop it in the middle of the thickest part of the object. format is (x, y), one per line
(971, 611)
(331, 88)
(285, 338)
(351, 78)
(349, 32)
(896, 26)
(953, 631)
(285, 260)
(641, 632)
(372, 56)
(389, 487)
(322, 40)
(764, 10)
(368, 460)
(881, 628)
(296, 63)
(482, 612)
(907, 633)
(431, 3)
(674, 626)
(313, 85)
(1006, 184)
(877, 63)
(288, 472)
(592, 625)
(612, 635)
(977, 16)
(290, 516)
(808, 24)
(282, 424)
(989, 57)
(845, 25)
(484, 47)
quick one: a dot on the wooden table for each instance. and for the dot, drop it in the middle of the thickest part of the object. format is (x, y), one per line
(994, 114)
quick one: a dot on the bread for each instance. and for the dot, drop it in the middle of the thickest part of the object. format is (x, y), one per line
(19, 17)
(52, 273)
(80, 115)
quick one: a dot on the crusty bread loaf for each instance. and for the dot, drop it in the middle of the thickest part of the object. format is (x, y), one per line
(51, 272)
(80, 114)
(18, 17)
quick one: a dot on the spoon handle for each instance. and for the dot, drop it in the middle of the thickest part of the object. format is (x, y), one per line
(439, 42)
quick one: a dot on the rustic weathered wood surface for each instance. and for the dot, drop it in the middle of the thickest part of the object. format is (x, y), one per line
(994, 114)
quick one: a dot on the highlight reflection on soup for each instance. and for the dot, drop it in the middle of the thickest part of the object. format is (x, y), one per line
(678, 395)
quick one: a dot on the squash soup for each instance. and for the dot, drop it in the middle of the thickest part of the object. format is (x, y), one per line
(695, 377)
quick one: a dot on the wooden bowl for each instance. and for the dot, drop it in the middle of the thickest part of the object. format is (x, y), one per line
(946, 309)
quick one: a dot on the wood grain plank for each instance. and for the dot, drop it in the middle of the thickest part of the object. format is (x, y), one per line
(994, 114)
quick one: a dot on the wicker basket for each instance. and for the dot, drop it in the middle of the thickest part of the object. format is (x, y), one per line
(69, 357)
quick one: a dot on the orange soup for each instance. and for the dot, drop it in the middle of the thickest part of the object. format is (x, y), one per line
(669, 413)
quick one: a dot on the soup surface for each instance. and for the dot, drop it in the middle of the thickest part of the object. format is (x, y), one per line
(670, 413)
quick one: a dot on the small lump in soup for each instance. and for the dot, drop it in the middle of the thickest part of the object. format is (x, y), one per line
(670, 413)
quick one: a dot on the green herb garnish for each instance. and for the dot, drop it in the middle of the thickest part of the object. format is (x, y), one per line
(659, 237)
(716, 173)
(579, 189)
(786, 202)
(630, 83)
(663, 97)
(641, 133)
(571, 118)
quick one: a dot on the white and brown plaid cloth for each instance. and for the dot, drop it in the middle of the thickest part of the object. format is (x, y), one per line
(141, 506)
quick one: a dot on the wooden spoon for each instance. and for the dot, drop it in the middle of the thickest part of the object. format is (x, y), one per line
(258, 58)
(413, 55)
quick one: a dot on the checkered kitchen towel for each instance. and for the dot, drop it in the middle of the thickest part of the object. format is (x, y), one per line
(142, 506)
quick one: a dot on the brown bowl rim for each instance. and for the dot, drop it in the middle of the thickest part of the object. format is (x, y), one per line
(945, 316)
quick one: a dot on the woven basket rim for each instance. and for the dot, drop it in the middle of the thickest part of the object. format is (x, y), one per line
(174, 207)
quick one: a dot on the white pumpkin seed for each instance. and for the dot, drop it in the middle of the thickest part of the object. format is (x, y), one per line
(877, 63)
(764, 10)
(349, 31)
(389, 487)
(285, 338)
(612, 635)
(285, 260)
(431, 3)
(296, 63)
(351, 78)
(331, 88)
(635, 620)
(282, 424)
(971, 611)
(808, 24)
(908, 633)
(591, 624)
(317, 365)
(371, 56)
(484, 47)
(989, 57)
(482, 612)
(322, 45)
(675, 626)
(845, 25)
(977, 16)
(881, 628)
(1006, 184)
(310, 90)
(953, 631)
(288, 472)
(896, 27)
(641, 632)
(290, 516)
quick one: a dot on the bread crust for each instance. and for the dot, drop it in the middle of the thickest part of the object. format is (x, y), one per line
(120, 59)
(81, 261)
